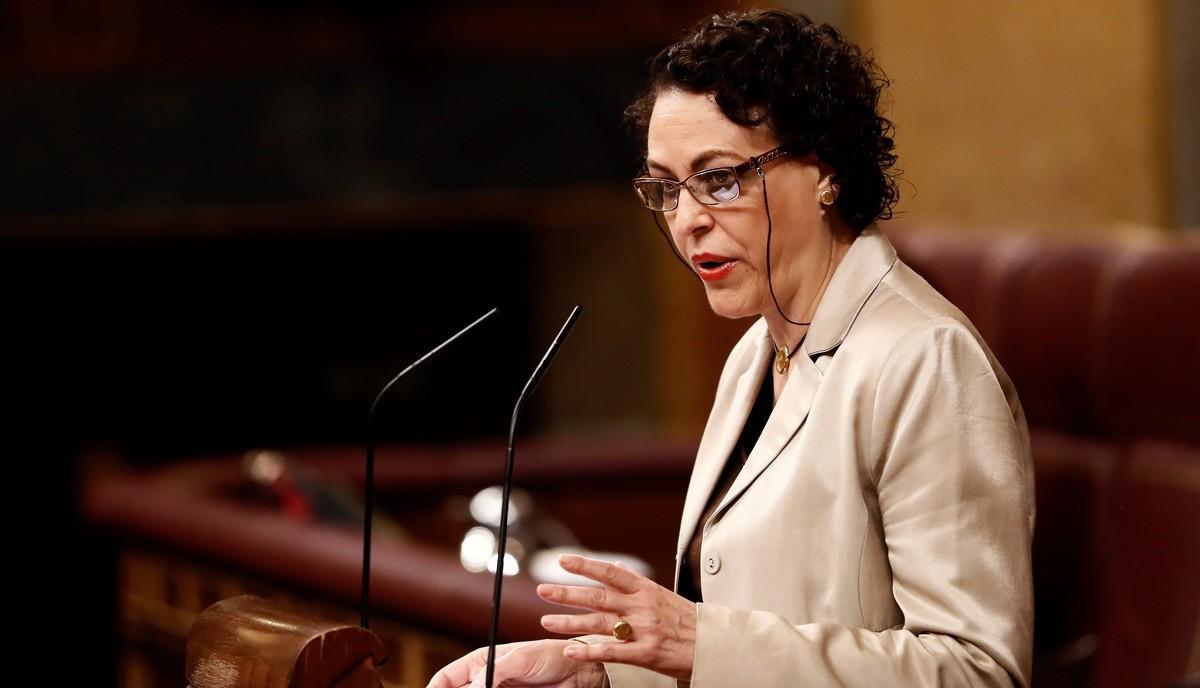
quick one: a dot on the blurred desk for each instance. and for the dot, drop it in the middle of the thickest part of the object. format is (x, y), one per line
(193, 533)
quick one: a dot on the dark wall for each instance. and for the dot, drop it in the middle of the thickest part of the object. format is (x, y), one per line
(184, 260)
(164, 349)
(121, 142)
(186, 346)
(166, 337)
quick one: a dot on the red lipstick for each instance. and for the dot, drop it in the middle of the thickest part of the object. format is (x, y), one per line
(712, 267)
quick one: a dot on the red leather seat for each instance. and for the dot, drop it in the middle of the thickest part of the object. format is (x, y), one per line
(1150, 635)
(952, 262)
(1071, 545)
(1046, 328)
(1149, 367)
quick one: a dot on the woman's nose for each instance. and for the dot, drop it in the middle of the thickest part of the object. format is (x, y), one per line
(691, 217)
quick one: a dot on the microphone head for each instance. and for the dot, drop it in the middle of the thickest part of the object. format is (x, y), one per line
(369, 482)
(551, 352)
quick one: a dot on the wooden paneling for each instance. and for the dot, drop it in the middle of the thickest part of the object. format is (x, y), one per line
(1047, 114)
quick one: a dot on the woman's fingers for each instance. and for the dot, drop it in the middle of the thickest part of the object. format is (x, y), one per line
(534, 663)
(618, 582)
(595, 599)
(458, 673)
(616, 577)
(519, 664)
(505, 669)
(578, 623)
(530, 663)
(663, 623)
(625, 653)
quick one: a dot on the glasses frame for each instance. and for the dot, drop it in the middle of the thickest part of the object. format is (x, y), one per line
(756, 163)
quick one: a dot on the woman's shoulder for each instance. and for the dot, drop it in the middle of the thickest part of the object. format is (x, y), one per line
(905, 306)
(906, 319)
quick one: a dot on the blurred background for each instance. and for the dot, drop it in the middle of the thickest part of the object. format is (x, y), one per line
(224, 225)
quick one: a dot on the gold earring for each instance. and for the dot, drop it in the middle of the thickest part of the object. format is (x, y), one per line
(829, 195)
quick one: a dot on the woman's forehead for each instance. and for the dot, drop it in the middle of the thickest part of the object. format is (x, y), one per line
(684, 125)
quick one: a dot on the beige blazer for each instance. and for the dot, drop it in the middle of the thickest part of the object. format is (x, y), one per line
(879, 533)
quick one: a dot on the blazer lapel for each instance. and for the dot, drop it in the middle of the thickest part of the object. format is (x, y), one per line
(869, 259)
(785, 421)
(719, 440)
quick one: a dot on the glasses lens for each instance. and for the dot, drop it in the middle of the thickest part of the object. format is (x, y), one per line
(657, 194)
(716, 186)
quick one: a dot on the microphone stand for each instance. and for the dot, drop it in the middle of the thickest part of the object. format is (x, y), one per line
(369, 485)
(534, 379)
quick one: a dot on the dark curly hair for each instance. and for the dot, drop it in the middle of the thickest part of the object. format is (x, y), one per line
(813, 88)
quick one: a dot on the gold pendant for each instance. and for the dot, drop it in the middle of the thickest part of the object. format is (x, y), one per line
(782, 360)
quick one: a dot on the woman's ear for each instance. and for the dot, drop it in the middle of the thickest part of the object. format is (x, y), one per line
(828, 187)
(828, 174)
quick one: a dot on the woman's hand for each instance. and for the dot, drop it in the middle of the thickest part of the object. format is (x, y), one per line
(534, 663)
(663, 623)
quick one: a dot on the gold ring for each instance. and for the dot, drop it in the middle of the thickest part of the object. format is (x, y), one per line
(622, 630)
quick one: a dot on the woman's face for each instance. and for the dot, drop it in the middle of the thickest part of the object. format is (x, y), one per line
(726, 245)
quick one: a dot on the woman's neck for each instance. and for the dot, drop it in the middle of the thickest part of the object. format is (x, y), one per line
(803, 303)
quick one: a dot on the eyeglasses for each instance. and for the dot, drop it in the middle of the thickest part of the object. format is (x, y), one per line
(709, 187)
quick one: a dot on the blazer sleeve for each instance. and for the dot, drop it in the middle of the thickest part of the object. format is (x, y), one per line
(950, 468)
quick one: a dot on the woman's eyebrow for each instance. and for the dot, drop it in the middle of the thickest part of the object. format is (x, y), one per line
(702, 160)
(658, 167)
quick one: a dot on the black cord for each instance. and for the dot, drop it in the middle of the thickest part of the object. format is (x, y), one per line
(770, 281)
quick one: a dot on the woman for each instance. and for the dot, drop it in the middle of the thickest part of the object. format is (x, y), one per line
(860, 513)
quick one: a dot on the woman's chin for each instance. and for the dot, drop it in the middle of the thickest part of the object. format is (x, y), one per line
(733, 308)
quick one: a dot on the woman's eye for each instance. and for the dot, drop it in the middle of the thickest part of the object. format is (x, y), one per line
(722, 185)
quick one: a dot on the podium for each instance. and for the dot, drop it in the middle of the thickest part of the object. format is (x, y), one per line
(248, 642)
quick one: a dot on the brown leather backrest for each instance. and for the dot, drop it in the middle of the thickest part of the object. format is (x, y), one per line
(1149, 364)
(1046, 319)
(951, 262)
(1072, 541)
(1150, 635)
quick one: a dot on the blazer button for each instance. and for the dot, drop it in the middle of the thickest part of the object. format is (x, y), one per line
(712, 563)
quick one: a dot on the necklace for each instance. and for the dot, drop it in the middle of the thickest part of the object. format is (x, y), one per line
(783, 358)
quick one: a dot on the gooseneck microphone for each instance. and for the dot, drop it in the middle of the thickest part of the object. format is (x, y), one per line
(369, 484)
(534, 379)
